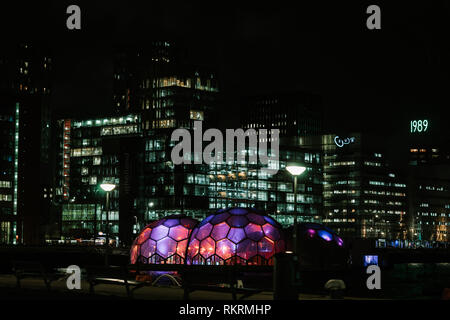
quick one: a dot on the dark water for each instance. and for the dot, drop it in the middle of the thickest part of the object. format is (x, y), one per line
(399, 281)
(416, 280)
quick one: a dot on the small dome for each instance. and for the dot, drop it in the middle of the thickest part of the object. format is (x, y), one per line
(163, 241)
(236, 236)
(319, 231)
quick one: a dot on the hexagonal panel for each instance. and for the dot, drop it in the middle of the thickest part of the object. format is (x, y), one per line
(237, 221)
(193, 248)
(266, 248)
(256, 218)
(271, 232)
(159, 232)
(172, 222)
(225, 249)
(207, 247)
(220, 231)
(204, 231)
(188, 223)
(144, 235)
(218, 218)
(239, 211)
(236, 234)
(166, 247)
(247, 249)
(270, 220)
(254, 231)
(178, 233)
(206, 220)
(134, 254)
(148, 248)
(181, 248)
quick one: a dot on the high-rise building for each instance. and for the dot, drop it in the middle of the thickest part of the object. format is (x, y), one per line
(168, 93)
(293, 113)
(9, 154)
(160, 92)
(429, 203)
(94, 151)
(363, 196)
(428, 171)
(24, 89)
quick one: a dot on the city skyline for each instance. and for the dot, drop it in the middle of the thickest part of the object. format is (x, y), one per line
(251, 150)
(390, 75)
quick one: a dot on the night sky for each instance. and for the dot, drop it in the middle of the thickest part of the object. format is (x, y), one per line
(371, 79)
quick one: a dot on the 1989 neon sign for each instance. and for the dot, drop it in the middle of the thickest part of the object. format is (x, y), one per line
(419, 125)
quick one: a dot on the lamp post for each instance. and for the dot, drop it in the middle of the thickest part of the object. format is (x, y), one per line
(107, 187)
(295, 170)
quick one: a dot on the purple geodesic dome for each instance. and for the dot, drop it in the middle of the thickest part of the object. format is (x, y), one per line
(163, 241)
(243, 236)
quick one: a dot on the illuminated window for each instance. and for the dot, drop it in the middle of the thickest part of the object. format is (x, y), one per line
(5, 184)
(196, 115)
(5, 197)
(97, 161)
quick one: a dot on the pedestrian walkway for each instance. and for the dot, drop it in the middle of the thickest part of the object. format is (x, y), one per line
(35, 289)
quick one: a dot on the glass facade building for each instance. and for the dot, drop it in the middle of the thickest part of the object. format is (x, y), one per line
(429, 203)
(91, 152)
(9, 152)
(25, 154)
(169, 93)
(246, 185)
(363, 196)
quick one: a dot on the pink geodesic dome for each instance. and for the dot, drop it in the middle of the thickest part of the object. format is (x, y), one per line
(163, 241)
(231, 236)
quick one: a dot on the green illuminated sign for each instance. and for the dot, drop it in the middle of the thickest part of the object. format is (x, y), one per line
(418, 125)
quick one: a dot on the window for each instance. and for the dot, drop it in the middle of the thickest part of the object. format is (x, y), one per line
(97, 161)
(196, 115)
(5, 184)
(5, 197)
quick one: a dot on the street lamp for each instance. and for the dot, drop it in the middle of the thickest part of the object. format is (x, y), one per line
(107, 187)
(295, 170)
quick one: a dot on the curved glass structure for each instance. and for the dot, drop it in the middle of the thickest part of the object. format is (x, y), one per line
(318, 231)
(163, 241)
(236, 236)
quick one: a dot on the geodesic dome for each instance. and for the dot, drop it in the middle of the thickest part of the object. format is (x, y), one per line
(236, 236)
(163, 241)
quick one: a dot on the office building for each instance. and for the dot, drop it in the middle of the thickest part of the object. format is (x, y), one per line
(25, 113)
(293, 113)
(92, 152)
(363, 196)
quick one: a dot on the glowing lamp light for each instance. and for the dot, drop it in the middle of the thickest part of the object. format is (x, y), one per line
(325, 235)
(295, 169)
(311, 232)
(108, 187)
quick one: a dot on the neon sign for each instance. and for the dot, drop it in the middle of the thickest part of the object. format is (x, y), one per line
(418, 125)
(341, 142)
